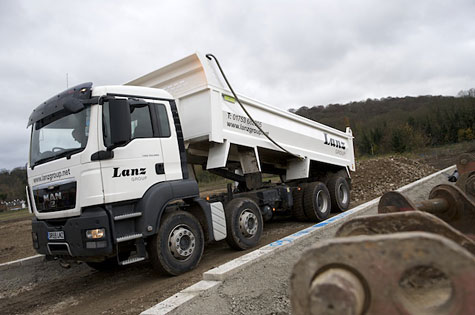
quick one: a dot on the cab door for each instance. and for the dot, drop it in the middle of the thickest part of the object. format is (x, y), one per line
(173, 153)
(137, 164)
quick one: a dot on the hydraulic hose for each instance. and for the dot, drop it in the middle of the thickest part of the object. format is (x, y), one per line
(211, 56)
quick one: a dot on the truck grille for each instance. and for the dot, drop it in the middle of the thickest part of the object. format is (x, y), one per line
(55, 197)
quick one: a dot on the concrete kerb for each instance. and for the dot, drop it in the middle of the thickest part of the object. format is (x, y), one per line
(171, 303)
(21, 262)
(228, 269)
(182, 297)
(214, 277)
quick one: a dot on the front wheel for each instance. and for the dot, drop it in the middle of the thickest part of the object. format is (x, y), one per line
(107, 265)
(178, 246)
(244, 223)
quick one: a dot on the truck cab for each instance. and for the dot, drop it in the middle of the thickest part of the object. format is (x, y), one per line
(104, 164)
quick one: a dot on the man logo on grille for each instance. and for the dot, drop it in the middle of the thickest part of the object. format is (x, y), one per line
(52, 197)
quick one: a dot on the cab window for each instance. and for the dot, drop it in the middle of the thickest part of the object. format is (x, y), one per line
(147, 120)
(163, 127)
(140, 122)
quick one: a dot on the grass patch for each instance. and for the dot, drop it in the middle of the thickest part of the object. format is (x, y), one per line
(448, 149)
(214, 184)
(13, 215)
(453, 149)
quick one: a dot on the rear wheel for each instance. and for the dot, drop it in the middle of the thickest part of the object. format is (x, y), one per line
(339, 192)
(298, 208)
(316, 200)
(244, 223)
(178, 246)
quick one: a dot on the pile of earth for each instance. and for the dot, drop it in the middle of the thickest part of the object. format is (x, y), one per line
(374, 177)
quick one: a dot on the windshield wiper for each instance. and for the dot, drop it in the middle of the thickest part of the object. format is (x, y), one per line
(66, 153)
(44, 160)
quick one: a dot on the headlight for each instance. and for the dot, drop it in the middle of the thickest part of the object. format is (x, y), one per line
(95, 234)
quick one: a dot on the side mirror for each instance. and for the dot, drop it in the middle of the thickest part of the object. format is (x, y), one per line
(119, 113)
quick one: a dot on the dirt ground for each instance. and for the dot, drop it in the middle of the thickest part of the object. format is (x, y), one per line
(15, 240)
(47, 288)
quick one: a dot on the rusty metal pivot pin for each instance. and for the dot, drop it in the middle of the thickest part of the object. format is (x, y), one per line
(336, 291)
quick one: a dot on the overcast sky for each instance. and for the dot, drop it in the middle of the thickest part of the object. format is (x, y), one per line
(285, 53)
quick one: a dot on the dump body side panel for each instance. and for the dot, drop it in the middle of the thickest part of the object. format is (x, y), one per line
(209, 113)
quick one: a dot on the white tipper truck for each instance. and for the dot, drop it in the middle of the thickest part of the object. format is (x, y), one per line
(111, 171)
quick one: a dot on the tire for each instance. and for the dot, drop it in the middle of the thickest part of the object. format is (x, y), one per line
(178, 246)
(298, 209)
(339, 192)
(244, 223)
(108, 265)
(316, 201)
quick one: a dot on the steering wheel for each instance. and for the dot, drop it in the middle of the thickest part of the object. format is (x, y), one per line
(57, 149)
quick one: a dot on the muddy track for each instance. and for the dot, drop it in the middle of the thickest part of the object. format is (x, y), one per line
(47, 288)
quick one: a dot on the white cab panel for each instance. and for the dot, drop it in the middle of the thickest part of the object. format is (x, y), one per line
(78, 168)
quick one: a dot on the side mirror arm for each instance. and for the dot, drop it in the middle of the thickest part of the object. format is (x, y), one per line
(102, 155)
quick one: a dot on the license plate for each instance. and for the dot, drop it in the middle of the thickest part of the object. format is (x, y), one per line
(56, 235)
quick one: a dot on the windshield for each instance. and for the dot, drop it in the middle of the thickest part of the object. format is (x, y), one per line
(58, 138)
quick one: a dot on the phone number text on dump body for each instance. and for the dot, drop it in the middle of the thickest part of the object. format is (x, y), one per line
(236, 121)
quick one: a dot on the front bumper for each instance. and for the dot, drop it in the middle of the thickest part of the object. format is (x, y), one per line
(74, 243)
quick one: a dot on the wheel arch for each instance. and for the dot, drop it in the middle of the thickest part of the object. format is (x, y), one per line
(320, 171)
(158, 197)
(201, 210)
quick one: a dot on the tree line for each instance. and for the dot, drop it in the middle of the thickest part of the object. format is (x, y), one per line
(401, 124)
(12, 184)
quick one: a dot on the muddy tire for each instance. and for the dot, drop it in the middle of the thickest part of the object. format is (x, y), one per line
(298, 208)
(244, 223)
(339, 192)
(108, 265)
(178, 246)
(316, 201)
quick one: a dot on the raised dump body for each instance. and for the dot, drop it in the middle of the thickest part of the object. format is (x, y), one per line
(216, 128)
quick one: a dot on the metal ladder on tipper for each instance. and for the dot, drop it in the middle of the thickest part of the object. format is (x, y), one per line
(128, 219)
